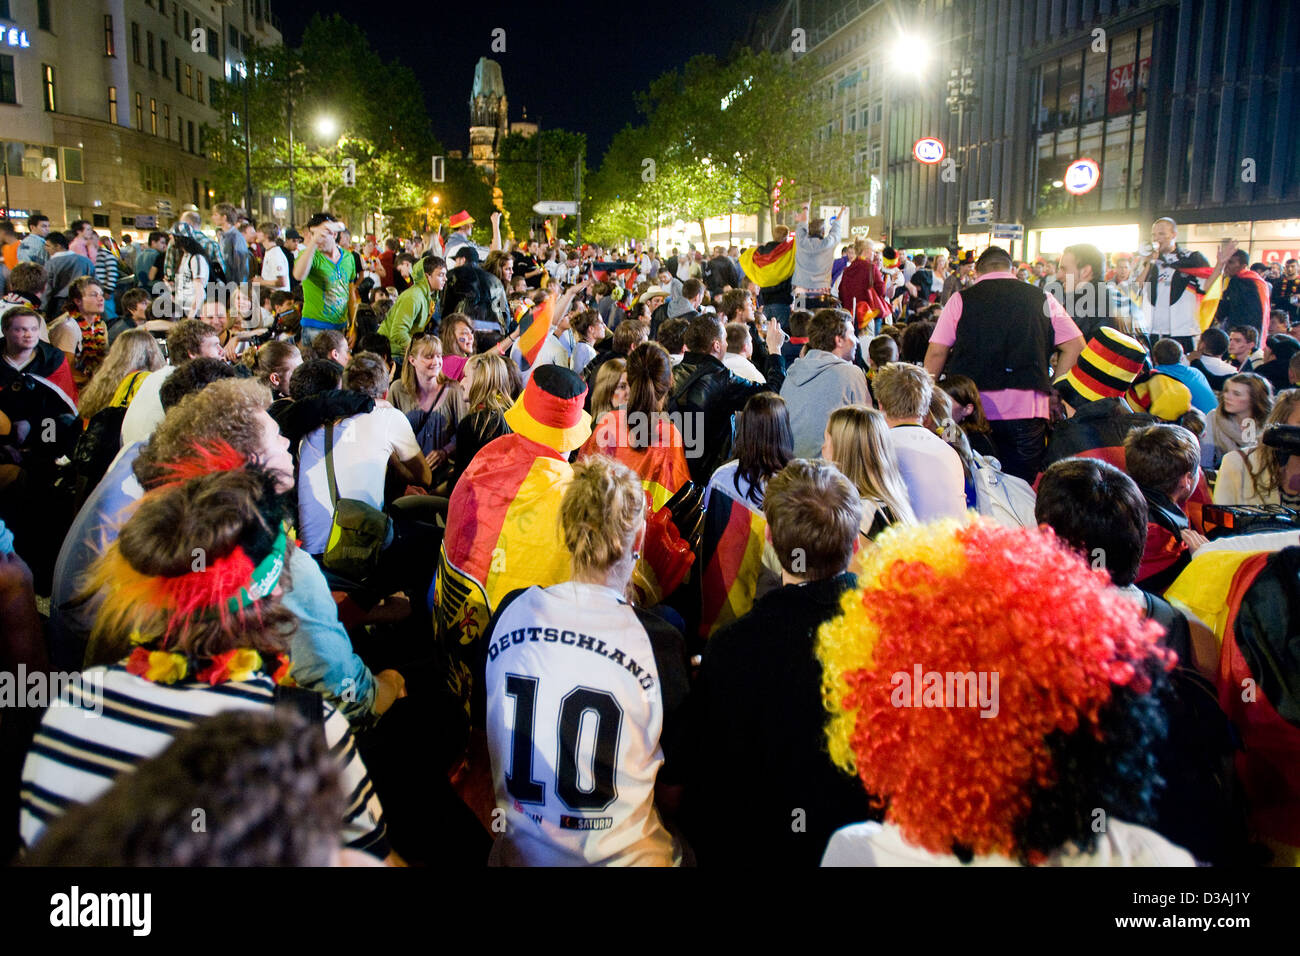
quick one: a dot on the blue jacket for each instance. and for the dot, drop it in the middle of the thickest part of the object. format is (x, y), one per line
(1202, 395)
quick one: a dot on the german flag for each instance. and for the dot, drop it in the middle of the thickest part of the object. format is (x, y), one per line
(1238, 592)
(534, 327)
(767, 269)
(1263, 293)
(661, 465)
(1210, 303)
(732, 557)
(503, 533)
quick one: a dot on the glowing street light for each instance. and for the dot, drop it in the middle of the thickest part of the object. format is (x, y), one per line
(327, 127)
(911, 53)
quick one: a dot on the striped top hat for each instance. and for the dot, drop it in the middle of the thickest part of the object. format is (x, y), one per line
(1111, 362)
(462, 218)
(549, 411)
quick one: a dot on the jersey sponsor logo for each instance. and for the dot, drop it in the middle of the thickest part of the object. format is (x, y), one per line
(552, 635)
(585, 823)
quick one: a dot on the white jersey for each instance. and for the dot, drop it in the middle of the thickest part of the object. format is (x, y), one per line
(575, 710)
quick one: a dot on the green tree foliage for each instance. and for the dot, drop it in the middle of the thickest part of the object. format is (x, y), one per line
(381, 123)
(555, 155)
(720, 135)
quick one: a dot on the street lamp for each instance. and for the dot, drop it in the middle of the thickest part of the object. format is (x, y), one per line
(911, 53)
(327, 127)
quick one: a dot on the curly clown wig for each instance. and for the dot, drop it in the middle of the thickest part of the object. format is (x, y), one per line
(1076, 674)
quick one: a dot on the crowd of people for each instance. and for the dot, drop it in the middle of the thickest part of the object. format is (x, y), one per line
(520, 554)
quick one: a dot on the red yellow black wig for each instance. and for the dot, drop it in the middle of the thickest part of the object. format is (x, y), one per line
(1076, 664)
(163, 610)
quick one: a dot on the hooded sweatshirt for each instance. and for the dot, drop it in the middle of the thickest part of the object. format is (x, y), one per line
(813, 257)
(410, 312)
(815, 386)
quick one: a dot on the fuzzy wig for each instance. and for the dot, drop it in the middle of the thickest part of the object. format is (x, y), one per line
(1080, 674)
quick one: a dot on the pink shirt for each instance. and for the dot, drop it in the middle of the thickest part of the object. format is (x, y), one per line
(1007, 403)
(83, 247)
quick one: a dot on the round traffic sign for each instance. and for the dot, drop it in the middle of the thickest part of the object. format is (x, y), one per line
(1081, 176)
(928, 150)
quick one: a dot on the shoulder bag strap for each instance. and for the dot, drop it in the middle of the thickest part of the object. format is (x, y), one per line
(329, 464)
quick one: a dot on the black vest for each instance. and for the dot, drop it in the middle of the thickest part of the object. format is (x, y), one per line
(1004, 336)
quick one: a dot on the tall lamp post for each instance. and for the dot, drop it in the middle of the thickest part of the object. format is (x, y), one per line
(961, 100)
(327, 128)
(248, 140)
(911, 55)
(289, 109)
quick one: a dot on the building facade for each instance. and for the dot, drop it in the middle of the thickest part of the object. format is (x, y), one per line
(1184, 108)
(844, 43)
(103, 105)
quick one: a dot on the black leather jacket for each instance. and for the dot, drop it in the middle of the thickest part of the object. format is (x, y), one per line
(474, 431)
(704, 387)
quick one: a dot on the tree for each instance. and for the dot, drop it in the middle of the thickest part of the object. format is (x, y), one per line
(721, 135)
(378, 116)
(548, 161)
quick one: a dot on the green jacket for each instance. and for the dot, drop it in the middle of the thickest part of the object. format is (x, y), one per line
(409, 313)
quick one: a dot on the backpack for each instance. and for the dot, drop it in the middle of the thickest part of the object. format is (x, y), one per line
(95, 450)
(1006, 499)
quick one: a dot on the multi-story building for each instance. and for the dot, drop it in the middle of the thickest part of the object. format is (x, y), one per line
(843, 43)
(103, 105)
(1187, 108)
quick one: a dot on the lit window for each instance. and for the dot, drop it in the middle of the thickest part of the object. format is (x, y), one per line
(47, 77)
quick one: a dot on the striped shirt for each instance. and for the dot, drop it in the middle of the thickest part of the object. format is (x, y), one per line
(107, 270)
(77, 752)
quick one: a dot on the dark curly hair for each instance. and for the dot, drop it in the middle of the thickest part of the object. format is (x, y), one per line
(1117, 775)
(262, 783)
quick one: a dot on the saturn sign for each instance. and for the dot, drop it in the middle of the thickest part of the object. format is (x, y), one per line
(928, 150)
(1081, 176)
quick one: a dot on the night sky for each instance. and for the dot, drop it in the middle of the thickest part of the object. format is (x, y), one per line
(573, 65)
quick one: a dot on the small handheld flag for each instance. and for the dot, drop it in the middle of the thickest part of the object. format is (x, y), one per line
(533, 329)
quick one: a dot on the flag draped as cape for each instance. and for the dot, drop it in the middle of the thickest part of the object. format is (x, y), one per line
(767, 269)
(731, 556)
(503, 533)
